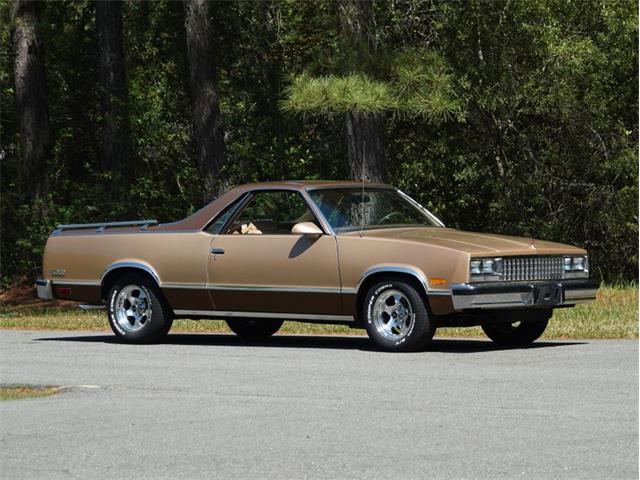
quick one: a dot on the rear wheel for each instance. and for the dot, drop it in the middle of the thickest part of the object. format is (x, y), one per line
(516, 333)
(137, 311)
(396, 317)
(257, 329)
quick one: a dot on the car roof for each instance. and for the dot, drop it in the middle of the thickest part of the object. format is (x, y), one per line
(300, 184)
(202, 217)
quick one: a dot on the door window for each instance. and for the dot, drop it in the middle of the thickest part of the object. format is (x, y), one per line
(271, 213)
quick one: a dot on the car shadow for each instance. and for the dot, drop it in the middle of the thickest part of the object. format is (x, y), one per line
(332, 342)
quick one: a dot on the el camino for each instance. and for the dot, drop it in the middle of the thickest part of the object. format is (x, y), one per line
(366, 255)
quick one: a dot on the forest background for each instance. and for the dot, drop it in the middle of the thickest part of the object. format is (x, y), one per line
(515, 117)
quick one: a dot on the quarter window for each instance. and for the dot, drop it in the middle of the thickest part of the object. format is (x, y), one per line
(219, 222)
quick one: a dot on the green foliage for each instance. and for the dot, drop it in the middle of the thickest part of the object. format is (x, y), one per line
(330, 95)
(419, 86)
(424, 87)
(515, 117)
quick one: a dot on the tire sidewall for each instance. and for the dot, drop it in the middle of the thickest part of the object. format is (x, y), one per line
(525, 333)
(155, 325)
(254, 329)
(419, 322)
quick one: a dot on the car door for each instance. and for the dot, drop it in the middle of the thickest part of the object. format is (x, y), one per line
(257, 265)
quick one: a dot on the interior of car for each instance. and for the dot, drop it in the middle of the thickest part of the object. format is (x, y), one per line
(271, 213)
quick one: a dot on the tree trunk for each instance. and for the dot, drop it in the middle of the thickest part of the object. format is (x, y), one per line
(31, 103)
(207, 121)
(116, 143)
(364, 131)
(365, 148)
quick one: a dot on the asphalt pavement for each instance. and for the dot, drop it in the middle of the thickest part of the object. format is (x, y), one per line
(211, 406)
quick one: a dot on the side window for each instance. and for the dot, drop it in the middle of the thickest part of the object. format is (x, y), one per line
(271, 213)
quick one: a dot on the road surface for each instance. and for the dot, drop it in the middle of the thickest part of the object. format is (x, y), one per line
(210, 406)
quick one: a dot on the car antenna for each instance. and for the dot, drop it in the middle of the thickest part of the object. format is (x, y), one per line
(364, 144)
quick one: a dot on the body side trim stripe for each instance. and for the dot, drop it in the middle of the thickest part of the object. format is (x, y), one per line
(186, 286)
(253, 288)
(430, 292)
(289, 316)
(88, 283)
(439, 293)
(240, 288)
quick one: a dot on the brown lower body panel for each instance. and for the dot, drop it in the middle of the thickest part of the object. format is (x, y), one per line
(441, 304)
(188, 298)
(278, 302)
(79, 293)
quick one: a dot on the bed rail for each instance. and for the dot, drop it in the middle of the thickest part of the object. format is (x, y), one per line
(100, 227)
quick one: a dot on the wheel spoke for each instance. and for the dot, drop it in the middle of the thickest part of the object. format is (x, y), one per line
(392, 314)
(132, 308)
(389, 310)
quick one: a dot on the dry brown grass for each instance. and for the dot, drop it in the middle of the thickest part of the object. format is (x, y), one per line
(19, 392)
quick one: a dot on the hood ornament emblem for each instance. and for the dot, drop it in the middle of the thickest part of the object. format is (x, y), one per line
(532, 243)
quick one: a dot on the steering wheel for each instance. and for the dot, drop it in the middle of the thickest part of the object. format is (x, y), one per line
(388, 216)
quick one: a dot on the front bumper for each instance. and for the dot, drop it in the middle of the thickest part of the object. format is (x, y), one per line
(45, 291)
(468, 296)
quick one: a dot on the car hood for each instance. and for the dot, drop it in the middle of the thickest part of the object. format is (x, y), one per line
(471, 242)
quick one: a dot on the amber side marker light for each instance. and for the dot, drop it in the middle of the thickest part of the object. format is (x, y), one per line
(437, 281)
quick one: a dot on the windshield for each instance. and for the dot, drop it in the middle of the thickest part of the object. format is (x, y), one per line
(350, 209)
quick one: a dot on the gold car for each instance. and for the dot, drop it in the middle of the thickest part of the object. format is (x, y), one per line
(366, 255)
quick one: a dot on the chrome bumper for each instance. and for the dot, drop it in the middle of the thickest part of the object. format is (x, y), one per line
(468, 296)
(44, 289)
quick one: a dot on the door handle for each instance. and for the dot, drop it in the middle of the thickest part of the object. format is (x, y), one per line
(217, 251)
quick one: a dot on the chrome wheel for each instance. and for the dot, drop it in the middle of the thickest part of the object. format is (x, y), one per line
(132, 308)
(393, 315)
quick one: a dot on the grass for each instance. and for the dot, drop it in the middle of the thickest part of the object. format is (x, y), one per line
(613, 315)
(19, 392)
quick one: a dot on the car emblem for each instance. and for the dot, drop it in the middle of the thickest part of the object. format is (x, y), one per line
(532, 243)
(58, 272)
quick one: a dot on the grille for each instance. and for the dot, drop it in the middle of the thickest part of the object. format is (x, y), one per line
(532, 268)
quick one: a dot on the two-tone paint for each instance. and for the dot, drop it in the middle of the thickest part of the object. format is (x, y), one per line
(289, 276)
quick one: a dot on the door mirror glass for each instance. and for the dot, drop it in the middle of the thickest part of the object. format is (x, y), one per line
(308, 229)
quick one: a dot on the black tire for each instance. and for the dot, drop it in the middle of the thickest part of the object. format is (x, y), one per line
(517, 333)
(410, 328)
(254, 329)
(140, 326)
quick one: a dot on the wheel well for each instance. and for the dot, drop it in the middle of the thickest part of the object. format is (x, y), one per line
(388, 276)
(113, 275)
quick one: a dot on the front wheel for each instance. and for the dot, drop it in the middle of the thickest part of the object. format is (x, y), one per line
(517, 333)
(137, 310)
(254, 329)
(396, 317)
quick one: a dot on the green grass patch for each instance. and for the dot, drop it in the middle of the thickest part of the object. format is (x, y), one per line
(613, 315)
(19, 392)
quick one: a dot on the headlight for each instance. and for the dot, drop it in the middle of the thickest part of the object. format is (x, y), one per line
(485, 269)
(576, 267)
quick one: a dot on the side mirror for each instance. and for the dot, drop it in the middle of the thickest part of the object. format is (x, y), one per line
(307, 229)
